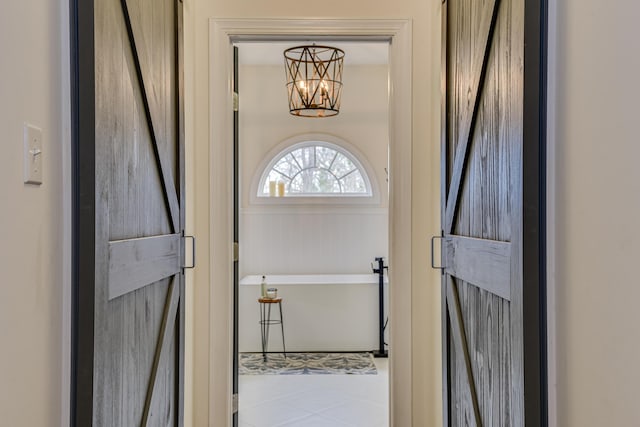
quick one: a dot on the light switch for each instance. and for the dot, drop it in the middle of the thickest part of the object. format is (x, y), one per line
(32, 155)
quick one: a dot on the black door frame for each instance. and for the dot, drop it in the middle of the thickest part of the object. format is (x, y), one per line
(534, 186)
(82, 67)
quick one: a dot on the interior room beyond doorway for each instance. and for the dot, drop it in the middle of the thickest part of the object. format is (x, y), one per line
(313, 235)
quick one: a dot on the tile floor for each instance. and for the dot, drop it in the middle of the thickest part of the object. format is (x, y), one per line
(315, 400)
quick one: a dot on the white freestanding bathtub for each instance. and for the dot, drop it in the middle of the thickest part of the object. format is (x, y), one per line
(322, 312)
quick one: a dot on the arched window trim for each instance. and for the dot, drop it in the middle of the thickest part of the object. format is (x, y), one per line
(371, 197)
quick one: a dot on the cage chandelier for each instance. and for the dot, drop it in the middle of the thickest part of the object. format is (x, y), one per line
(314, 80)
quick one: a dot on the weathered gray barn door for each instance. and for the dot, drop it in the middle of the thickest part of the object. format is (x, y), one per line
(491, 216)
(129, 342)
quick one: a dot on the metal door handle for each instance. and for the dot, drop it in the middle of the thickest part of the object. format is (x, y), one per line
(193, 251)
(433, 262)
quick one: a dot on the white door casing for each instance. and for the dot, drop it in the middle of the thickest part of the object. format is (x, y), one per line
(222, 32)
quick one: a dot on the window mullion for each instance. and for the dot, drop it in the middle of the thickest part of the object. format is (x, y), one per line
(335, 156)
(296, 160)
(319, 183)
(348, 173)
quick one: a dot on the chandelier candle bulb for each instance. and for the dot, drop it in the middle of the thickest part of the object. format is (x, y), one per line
(272, 188)
(280, 189)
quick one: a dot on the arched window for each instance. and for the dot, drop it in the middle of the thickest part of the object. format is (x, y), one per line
(315, 168)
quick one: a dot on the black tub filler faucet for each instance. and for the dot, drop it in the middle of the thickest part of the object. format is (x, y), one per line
(381, 352)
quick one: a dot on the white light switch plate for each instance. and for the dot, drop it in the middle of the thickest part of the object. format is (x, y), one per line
(32, 155)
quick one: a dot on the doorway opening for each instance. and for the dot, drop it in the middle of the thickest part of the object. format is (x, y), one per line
(313, 229)
(224, 33)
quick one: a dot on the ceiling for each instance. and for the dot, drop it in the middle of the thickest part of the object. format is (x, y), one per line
(271, 53)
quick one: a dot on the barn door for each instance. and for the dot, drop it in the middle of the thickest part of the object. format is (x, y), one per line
(129, 342)
(491, 162)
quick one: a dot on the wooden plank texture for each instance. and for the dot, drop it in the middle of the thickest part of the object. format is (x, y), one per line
(514, 43)
(126, 204)
(487, 324)
(468, 120)
(444, 174)
(163, 348)
(137, 230)
(481, 262)
(482, 212)
(136, 263)
(462, 348)
(142, 55)
(179, 114)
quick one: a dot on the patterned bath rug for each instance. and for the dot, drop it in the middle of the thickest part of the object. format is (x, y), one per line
(307, 364)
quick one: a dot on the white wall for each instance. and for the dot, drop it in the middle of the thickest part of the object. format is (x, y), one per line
(31, 225)
(596, 204)
(279, 236)
(425, 291)
(286, 238)
(597, 207)
(265, 120)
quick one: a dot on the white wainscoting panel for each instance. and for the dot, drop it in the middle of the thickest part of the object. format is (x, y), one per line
(321, 313)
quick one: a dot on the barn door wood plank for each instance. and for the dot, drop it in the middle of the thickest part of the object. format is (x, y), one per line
(483, 263)
(444, 174)
(179, 17)
(479, 68)
(460, 338)
(136, 263)
(138, 45)
(162, 347)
